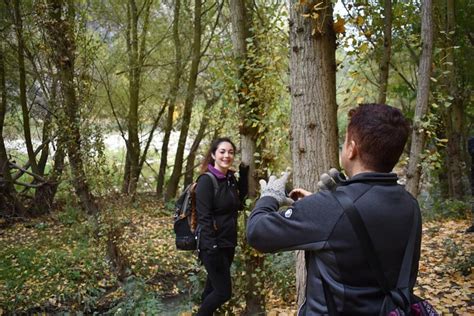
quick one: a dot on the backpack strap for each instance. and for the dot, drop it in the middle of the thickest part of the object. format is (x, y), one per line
(194, 224)
(214, 182)
(398, 297)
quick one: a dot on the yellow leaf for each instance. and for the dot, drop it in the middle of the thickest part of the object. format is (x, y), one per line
(363, 48)
(339, 26)
(359, 20)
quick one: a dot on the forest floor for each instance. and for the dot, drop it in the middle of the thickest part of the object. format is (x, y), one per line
(57, 263)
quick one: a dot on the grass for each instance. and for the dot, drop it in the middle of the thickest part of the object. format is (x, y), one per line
(48, 264)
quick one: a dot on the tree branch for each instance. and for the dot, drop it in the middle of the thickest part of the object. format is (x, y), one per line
(23, 170)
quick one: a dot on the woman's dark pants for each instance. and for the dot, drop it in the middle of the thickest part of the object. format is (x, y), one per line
(218, 289)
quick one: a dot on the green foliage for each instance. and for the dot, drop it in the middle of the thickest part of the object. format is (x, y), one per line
(440, 208)
(138, 300)
(362, 45)
(281, 275)
(52, 265)
(460, 262)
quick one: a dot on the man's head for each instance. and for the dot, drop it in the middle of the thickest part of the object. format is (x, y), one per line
(375, 138)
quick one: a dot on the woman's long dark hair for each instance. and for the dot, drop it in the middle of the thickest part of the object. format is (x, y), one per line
(212, 150)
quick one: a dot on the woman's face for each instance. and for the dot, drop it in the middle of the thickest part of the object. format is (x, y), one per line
(223, 157)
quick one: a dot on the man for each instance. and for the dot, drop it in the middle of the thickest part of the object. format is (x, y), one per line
(339, 275)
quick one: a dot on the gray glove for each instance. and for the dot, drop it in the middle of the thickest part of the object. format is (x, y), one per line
(276, 189)
(330, 180)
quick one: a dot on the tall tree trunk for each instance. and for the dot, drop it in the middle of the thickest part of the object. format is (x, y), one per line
(61, 34)
(189, 170)
(188, 103)
(422, 97)
(242, 18)
(23, 101)
(454, 118)
(152, 132)
(45, 194)
(314, 132)
(178, 71)
(9, 203)
(387, 48)
(136, 56)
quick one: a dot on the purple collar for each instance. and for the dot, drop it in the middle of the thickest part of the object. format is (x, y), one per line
(217, 173)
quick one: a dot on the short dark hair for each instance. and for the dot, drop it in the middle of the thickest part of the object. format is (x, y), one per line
(380, 132)
(212, 150)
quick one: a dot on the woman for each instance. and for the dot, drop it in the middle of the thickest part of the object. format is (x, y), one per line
(217, 221)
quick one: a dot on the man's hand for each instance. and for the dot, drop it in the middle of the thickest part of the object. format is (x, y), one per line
(276, 188)
(299, 193)
(330, 180)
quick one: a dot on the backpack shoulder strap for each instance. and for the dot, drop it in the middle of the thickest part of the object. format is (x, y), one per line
(364, 238)
(398, 297)
(214, 182)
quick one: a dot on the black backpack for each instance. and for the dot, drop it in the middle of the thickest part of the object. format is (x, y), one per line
(185, 217)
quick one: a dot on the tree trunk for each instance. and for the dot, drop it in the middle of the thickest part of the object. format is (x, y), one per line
(314, 135)
(160, 181)
(454, 118)
(188, 103)
(242, 18)
(44, 195)
(23, 101)
(422, 97)
(150, 136)
(62, 37)
(135, 63)
(178, 71)
(9, 204)
(387, 47)
(189, 171)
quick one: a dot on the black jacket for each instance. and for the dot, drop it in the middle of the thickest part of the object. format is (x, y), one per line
(318, 225)
(217, 215)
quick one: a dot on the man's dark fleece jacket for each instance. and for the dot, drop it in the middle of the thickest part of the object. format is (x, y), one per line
(318, 225)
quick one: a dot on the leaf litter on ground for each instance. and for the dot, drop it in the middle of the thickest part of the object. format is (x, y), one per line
(53, 265)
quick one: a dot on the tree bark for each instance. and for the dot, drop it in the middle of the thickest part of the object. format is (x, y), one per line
(387, 48)
(178, 72)
(45, 194)
(454, 117)
(188, 103)
(241, 18)
(423, 92)
(62, 38)
(189, 170)
(136, 55)
(9, 203)
(23, 101)
(314, 135)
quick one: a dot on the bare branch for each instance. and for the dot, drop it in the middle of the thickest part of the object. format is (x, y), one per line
(29, 185)
(23, 170)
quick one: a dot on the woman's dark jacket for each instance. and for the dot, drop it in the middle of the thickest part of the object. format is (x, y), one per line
(318, 225)
(217, 213)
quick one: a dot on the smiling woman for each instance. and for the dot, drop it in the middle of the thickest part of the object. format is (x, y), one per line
(223, 156)
(217, 212)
